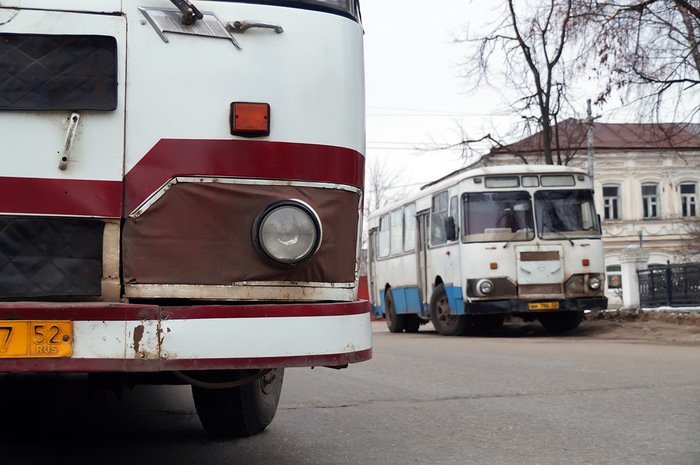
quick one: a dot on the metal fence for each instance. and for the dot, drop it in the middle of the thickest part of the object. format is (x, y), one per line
(671, 285)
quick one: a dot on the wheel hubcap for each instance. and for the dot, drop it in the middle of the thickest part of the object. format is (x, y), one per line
(443, 312)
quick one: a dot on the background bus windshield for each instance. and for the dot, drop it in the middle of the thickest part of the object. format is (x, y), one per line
(565, 212)
(497, 216)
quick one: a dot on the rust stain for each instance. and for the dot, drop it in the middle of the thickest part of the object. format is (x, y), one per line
(138, 336)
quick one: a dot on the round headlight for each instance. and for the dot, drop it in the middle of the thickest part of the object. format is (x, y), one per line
(594, 282)
(287, 232)
(485, 286)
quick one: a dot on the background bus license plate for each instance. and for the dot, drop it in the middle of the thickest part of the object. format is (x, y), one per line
(543, 306)
(36, 339)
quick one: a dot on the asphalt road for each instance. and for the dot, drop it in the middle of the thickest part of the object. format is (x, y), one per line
(519, 397)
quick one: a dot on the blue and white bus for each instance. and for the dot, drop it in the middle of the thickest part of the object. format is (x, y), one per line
(479, 245)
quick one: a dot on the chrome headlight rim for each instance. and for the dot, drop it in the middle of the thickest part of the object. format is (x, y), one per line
(594, 282)
(258, 242)
(484, 286)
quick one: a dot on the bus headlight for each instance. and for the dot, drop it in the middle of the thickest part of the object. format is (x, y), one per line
(287, 232)
(594, 282)
(484, 286)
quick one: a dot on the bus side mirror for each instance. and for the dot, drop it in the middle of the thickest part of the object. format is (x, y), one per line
(450, 229)
(600, 226)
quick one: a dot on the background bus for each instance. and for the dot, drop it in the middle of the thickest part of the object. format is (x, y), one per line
(481, 244)
(180, 195)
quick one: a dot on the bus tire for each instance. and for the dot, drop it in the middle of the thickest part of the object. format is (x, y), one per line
(412, 323)
(561, 322)
(444, 322)
(240, 411)
(395, 323)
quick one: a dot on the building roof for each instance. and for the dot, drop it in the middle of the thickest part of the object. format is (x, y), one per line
(612, 137)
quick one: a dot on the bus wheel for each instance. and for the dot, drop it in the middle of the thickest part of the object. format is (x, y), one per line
(394, 322)
(445, 323)
(412, 323)
(240, 411)
(561, 322)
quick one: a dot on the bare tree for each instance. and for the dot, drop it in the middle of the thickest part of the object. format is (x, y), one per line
(526, 48)
(650, 48)
(382, 186)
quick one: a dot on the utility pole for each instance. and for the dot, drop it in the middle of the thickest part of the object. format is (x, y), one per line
(589, 121)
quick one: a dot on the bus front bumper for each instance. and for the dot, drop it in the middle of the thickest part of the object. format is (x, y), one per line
(107, 337)
(515, 306)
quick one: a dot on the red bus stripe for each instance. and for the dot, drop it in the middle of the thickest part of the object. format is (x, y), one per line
(138, 312)
(265, 311)
(241, 158)
(70, 197)
(181, 157)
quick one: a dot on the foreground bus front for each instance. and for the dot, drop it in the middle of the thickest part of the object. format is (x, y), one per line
(183, 199)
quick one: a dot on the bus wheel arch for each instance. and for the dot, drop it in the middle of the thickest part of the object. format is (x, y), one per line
(444, 322)
(396, 323)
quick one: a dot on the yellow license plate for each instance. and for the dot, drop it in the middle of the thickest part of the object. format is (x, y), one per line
(543, 306)
(36, 339)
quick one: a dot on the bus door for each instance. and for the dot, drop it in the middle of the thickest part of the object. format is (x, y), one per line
(372, 272)
(62, 111)
(424, 285)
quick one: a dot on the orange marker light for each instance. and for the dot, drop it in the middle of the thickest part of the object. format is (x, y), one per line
(585, 262)
(493, 265)
(250, 119)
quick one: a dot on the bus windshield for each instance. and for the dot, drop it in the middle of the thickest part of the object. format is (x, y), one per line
(497, 216)
(565, 214)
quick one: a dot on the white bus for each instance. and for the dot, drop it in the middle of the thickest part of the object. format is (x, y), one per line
(481, 244)
(181, 194)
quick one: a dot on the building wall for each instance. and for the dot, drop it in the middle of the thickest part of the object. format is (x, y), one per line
(664, 237)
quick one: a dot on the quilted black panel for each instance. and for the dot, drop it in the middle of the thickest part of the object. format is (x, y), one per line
(50, 257)
(57, 72)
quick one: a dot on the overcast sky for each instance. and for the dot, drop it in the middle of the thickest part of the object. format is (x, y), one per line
(418, 96)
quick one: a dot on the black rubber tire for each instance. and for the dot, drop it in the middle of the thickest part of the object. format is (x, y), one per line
(395, 323)
(561, 322)
(444, 323)
(242, 411)
(412, 323)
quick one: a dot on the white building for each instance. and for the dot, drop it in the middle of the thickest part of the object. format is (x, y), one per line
(647, 181)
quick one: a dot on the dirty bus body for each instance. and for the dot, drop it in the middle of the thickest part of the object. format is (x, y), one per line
(181, 194)
(483, 244)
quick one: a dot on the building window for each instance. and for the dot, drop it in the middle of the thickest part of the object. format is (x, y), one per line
(688, 199)
(611, 202)
(650, 201)
(614, 275)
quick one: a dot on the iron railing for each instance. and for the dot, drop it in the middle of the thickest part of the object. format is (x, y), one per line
(670, 285)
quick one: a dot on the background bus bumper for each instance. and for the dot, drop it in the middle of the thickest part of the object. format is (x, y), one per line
(520, 306)
(149, 338)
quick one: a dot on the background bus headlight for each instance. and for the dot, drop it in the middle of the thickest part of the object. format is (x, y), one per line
(287, 232)
(484, 286)
(594, 282)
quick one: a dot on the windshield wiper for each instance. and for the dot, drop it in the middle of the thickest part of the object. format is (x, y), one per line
(561, 234)
(190, 13)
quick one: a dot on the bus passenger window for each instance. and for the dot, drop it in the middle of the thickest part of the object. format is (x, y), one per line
(438, 219)
(384, 236)
(409, 224)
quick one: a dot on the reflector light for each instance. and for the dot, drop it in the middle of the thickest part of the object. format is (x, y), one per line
(493, 265)
(585, 262)
(250, 119)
